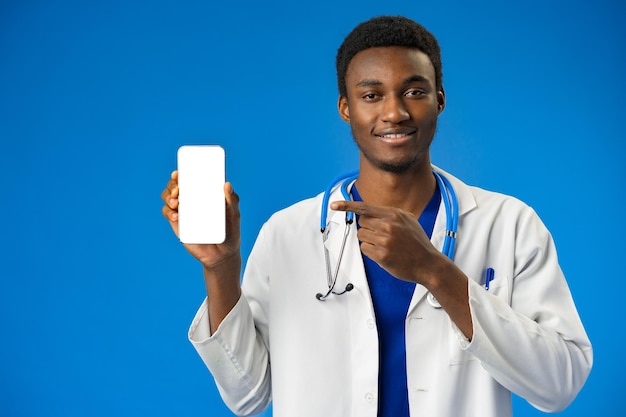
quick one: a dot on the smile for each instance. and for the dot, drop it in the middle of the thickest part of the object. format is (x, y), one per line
(395, 137)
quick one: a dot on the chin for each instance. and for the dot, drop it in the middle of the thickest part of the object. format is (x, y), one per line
(395, 168)
(398, 166)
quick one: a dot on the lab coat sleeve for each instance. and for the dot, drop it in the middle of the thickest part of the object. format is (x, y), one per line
(237, 354)
(536, 347)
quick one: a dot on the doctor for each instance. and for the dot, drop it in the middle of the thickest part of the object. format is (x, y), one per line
(416, 333)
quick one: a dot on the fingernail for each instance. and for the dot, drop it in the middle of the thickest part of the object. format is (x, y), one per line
(175, 216)
(172, 201)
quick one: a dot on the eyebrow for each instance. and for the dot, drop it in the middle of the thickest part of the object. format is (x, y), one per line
(373, 81)
(415, 79)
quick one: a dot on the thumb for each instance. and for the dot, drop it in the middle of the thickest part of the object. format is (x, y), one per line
(232, 212)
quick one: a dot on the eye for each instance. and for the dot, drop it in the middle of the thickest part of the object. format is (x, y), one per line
(415, 92)
(370, 96)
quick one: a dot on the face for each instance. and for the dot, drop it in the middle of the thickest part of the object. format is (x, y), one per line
(392, 106)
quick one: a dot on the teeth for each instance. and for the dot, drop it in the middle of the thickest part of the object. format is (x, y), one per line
(393, 136)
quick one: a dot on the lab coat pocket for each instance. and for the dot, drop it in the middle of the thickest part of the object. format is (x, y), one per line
(501, 287)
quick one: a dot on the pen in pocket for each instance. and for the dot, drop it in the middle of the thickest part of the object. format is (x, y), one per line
(488, 277)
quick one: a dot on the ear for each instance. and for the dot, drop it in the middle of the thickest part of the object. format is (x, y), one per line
(344, 109)
(441, 100)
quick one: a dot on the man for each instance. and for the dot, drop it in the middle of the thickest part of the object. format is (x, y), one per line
(414, 332)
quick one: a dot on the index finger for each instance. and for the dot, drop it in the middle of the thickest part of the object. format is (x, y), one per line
(360, 208)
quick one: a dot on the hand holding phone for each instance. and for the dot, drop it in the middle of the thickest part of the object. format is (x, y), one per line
(201, 224)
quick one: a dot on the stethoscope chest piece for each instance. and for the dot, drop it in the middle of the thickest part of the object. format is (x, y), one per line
(433, 301)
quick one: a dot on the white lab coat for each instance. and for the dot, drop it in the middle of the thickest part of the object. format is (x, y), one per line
(320, 358)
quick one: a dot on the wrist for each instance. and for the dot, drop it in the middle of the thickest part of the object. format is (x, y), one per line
(223, 277)
(228, 262)
(440, 270)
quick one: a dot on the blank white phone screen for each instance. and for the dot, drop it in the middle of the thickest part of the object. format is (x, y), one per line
(201, 202)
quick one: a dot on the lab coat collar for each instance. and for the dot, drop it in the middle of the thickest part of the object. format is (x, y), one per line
(466, 199)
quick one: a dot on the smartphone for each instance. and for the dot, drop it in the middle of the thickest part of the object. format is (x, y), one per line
(201, 201)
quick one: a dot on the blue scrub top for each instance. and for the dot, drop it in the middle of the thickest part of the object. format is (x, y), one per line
(391, 298)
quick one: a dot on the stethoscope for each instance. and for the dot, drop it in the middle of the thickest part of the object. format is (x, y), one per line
(451, 205)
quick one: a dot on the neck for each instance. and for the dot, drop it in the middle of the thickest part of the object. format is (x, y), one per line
(409, 191)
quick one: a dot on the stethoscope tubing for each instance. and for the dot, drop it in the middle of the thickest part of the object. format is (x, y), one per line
(451, 205)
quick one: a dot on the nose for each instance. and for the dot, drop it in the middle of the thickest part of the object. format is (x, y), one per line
(394, 110)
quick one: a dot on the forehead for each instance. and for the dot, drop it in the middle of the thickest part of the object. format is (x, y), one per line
(388, 63)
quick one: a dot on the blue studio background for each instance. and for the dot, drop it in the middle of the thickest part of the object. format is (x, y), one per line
(96, 293)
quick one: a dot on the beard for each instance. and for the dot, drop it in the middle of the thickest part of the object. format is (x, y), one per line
(395, 167)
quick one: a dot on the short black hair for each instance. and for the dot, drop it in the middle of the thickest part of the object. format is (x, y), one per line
(387, 31)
